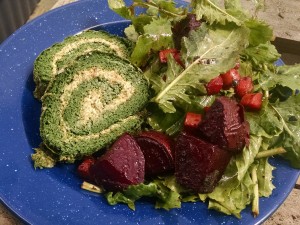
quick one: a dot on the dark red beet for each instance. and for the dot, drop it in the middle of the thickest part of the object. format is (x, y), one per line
(157, 149)
(84, 169)
(199, 165)
(224, 125)
(122, 165)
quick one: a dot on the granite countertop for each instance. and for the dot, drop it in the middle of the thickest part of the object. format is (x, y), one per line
(284, 17)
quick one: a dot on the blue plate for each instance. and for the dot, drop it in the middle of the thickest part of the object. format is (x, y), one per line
(54, 196)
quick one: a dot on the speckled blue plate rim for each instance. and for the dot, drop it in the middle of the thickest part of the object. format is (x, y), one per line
(54, 196)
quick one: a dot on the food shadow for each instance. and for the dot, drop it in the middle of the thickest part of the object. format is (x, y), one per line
(31, 109)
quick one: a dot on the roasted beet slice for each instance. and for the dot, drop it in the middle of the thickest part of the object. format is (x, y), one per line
(157, 148)
(224, 125)
(199, 165)
(122, 165)
(84, 169)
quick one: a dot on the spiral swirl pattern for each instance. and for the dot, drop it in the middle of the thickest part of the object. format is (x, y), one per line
(90, 104)
(55, 59)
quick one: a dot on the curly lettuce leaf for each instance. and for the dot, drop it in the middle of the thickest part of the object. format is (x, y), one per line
(264, 176)
(260, 32)
(288, 112)
(232, 11)
(279, 124)
(164, 190)
(244, 160)
(264, 123)
(211, 11)
(261, 55)
(142, 13)
(281, 83)
(287, 76)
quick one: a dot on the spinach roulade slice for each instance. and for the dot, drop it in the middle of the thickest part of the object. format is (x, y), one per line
(89, 105)
(55, 59)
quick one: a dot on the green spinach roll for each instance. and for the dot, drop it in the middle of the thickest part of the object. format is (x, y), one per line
(56, 58)
(90, 104)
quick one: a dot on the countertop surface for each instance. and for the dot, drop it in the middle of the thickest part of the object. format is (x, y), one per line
(284, 17)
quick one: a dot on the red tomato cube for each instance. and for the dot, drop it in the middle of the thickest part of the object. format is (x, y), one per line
(229, 77)
(252, 101)
(214, 86)
(244, 86)
(163, 55)
(191, 123)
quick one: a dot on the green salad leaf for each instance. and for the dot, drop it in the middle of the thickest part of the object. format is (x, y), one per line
(164, 190)
(223, 35)
(169, 123)
(288, 113)
(264, 123)
(260, 32)
(286, 76)
(261, 55)
(264, 173)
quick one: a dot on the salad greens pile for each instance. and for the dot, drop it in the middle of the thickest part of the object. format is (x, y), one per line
(227, 34)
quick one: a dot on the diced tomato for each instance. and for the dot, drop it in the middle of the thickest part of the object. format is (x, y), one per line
(244, 86)
(252, 101)
(229, 77)
(163, 55)
(84, 168)
(214, 86)
(191, 122)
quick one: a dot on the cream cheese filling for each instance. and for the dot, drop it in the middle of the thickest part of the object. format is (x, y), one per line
(68, 48)
(103, 132)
